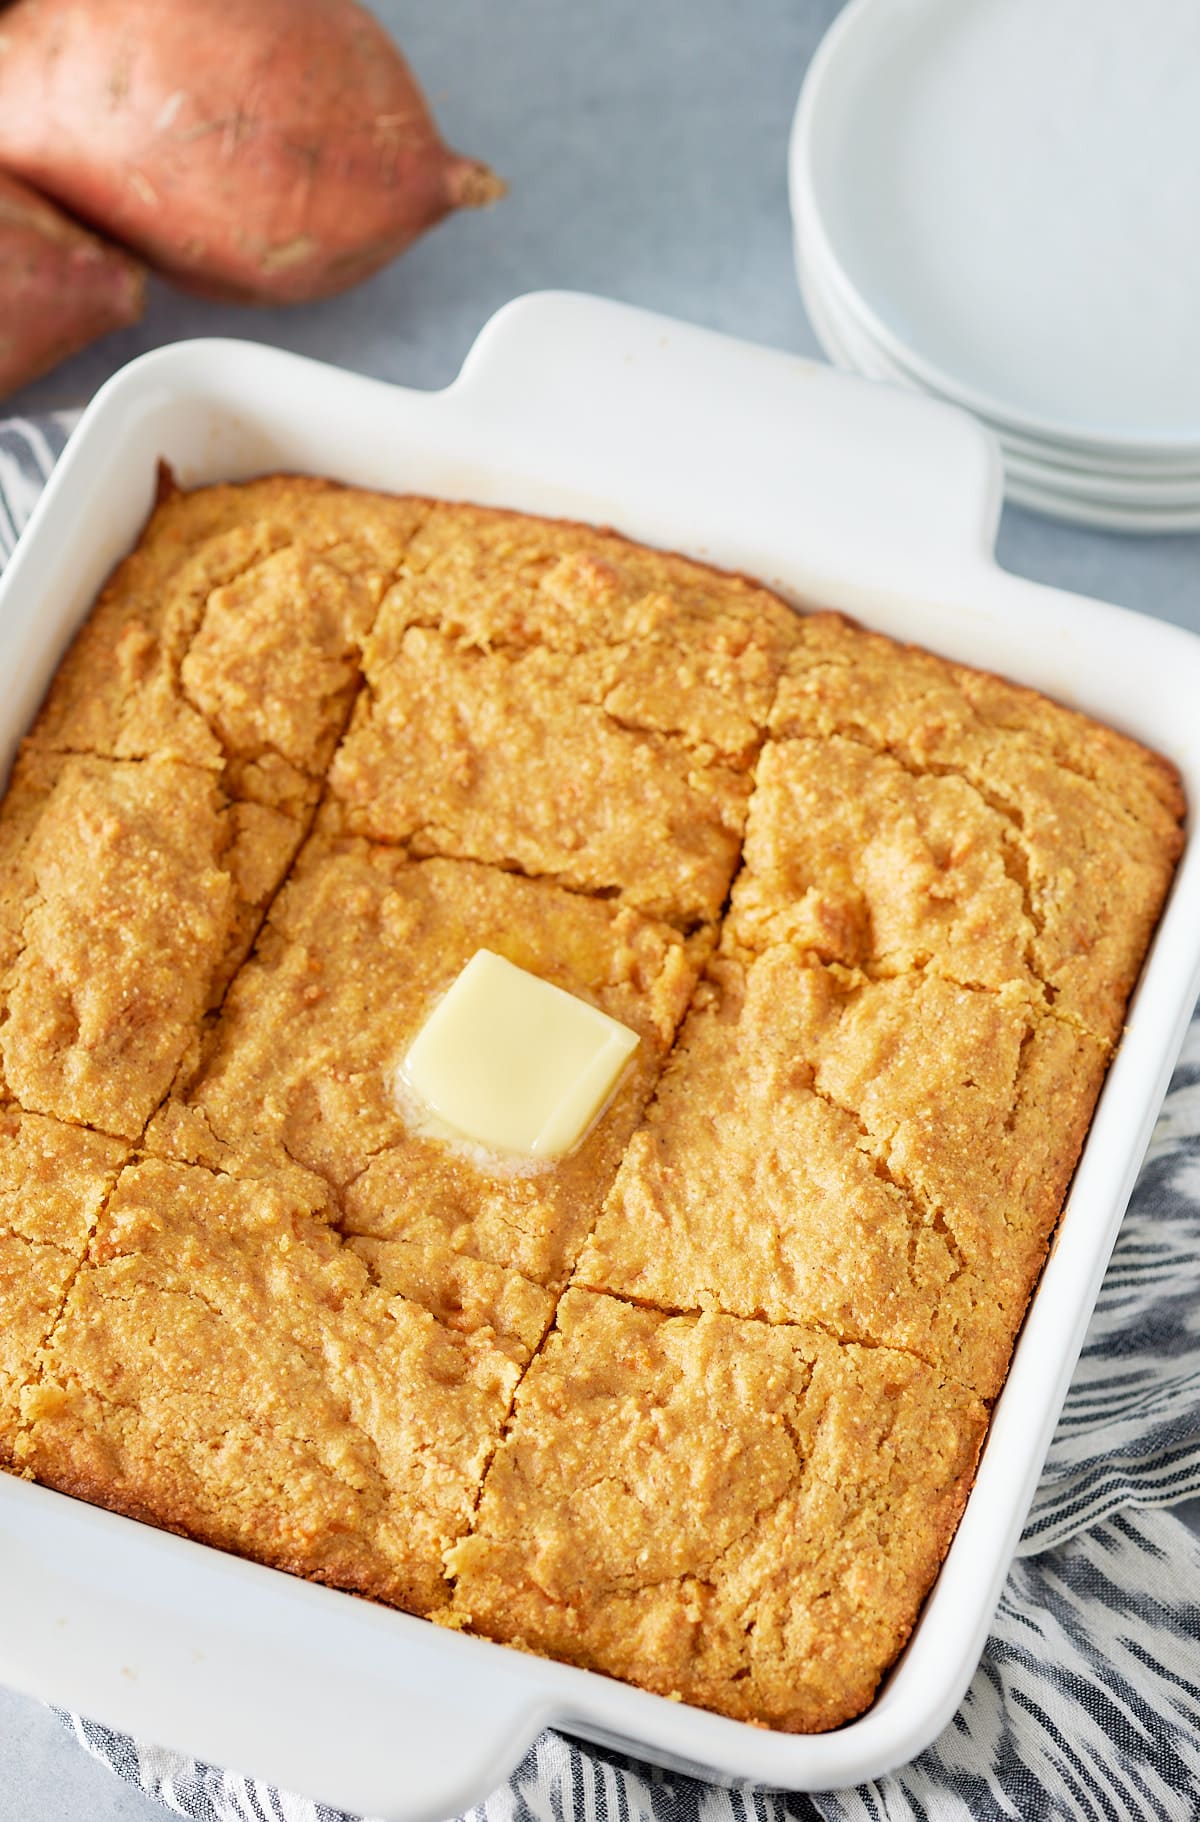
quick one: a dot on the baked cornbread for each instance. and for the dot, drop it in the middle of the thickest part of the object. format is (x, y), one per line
(1088, 823)
(885, 1158)
(230, 639)
(697, 1405)
(53, 1182)
(131, 891)
(811, 1487)
(223, 1364)
(590, 718)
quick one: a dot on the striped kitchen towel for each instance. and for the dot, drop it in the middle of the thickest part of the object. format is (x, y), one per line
(1087, 1701)
(29, 449)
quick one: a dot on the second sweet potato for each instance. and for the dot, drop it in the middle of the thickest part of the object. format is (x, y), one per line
(60, 287)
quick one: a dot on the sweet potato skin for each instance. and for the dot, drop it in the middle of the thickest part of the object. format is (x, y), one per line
(270, 150)
(60, 287)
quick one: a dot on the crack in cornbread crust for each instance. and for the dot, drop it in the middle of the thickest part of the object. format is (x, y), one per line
(470, 754)
(495, 581)
(179, 660)
(813, 1488)
(665, 658)
(1055, 778)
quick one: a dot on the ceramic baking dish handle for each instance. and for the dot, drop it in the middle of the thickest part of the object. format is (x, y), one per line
(187, 1648)
(913, 486)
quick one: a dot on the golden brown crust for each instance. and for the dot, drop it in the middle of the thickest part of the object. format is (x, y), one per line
(53, 1181)
(874, 917)
(231, 637)
(293, 1411)
(515, 761)
(129, 894)
(491, 580)
(886, 1159)
(1090, 822)
(731, 1513)
(556, 699)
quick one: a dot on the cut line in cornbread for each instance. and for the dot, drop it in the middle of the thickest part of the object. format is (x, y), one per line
(358, 948)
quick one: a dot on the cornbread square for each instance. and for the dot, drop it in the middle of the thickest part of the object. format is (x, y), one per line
(354, 956)
(227, 1368)
(676, 647)
(1093, 818)
(129, 893)
(53, 1180)
(231, 637)
(853, 856)
(555, 699)
(731, 1513)
(513, 759)
(887, 1159)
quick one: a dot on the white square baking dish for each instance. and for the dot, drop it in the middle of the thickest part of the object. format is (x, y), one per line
(836, 492)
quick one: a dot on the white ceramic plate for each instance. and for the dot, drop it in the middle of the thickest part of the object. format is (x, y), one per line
(1074, 509)
(1058, 489)
(1010, 189)
(876, 501)
(1180, 468)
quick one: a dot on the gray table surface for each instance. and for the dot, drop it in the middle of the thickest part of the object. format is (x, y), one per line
(645, 147)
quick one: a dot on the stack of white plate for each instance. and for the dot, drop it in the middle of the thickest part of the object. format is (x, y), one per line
(998, 202)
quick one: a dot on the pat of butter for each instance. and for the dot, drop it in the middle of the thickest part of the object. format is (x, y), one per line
(513, 1063)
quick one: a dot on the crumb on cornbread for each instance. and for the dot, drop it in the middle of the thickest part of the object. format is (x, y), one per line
(873, 918)
(740, 1514)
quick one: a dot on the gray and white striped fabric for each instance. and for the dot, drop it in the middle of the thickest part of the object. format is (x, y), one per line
(1087, 1702)
(28, 451)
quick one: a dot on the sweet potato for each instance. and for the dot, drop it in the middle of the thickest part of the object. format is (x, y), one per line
(270, 150)
(60, 287)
